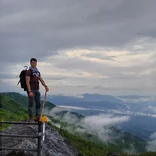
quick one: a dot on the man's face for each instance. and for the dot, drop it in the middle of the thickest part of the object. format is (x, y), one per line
(33, 64)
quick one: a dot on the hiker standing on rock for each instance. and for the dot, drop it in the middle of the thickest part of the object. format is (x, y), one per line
(33, 77)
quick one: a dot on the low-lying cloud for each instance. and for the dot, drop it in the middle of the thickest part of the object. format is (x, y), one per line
(151, 145)
(101, 125)
(72, 107)
(98, 125)
(151, 111)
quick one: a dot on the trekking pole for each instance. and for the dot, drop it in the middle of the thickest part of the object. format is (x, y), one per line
(45, 97)
(43, 119)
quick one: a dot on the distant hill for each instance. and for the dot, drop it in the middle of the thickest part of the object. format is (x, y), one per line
(84, 97)
(89, 101)
(125, 103)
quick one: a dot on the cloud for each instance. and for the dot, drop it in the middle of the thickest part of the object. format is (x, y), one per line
(150, 109)
(34, 29)
(59, 113)
(97, 125)
(100, 126)
(130, 113)
(152, 143)
(148, 112)
(72, 107)
(103, 120)
(56, 110)
(122, 74)
(106, 47)
(131, 150)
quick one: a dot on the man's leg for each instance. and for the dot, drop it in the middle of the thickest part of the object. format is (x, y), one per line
(30, 107)
(38, 103)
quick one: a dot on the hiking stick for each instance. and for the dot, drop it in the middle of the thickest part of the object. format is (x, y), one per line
(45, 97)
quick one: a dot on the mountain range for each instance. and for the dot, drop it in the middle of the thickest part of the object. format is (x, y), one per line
(140, 109)
(134, 103)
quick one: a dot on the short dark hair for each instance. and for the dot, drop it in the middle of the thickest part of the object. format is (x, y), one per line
(33, 59)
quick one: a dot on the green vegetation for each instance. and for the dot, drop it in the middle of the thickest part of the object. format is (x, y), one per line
(11, 109)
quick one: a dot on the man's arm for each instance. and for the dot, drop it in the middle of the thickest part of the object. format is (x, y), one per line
(43, 83)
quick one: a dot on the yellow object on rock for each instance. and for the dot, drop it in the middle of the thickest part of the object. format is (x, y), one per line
(43, 119)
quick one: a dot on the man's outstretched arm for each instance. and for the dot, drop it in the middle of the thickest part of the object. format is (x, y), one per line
(43, 83)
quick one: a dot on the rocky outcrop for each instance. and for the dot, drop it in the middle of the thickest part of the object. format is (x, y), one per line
(54, 144)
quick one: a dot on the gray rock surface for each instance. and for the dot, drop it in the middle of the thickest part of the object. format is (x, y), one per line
(54, 144)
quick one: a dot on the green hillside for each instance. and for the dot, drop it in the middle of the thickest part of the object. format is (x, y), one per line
(13, 107)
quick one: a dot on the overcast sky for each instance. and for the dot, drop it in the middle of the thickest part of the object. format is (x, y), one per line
(82, 46)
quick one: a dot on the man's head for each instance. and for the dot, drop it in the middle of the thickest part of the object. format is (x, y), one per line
(33, 62)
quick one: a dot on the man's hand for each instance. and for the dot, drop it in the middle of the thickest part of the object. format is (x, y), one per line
(31, 94)
(46, 88)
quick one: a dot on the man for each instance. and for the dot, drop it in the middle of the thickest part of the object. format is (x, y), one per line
(33, 77)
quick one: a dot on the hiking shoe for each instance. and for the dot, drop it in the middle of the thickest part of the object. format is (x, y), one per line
(31, 119)
(37, 119)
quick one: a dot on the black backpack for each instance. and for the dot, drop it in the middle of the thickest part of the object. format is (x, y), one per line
(22, 80)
